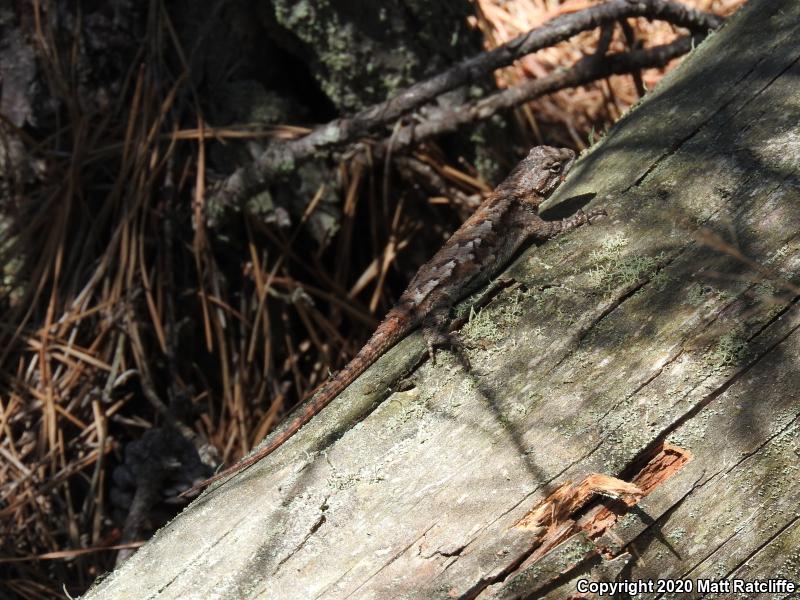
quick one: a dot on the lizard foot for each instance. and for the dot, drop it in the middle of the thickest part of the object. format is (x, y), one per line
(595, 214)
(556, 228)
(584, 218)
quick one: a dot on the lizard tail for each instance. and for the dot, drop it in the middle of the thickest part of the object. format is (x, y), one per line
(388, 333)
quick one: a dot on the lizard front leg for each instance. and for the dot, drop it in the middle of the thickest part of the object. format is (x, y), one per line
(552, 229)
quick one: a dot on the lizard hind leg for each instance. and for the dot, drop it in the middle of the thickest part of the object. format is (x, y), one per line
(436, 335)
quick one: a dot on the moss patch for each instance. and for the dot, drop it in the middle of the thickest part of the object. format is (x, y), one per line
(613, 268)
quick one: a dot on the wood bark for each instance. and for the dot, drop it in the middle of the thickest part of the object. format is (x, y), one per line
(659, 348)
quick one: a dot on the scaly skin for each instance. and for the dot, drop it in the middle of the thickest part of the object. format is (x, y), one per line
(471, 256)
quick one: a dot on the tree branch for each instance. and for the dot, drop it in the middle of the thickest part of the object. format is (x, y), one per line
(282, 157)
(586, 70)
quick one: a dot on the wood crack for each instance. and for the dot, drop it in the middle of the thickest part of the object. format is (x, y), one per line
(692, 411)
(312, 530)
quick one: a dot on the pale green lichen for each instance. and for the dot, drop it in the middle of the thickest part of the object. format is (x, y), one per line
(481, 326)
(778, 255)
(613, 269)
(492, 323)
(731, 347)
(699, 294)
(610, 248)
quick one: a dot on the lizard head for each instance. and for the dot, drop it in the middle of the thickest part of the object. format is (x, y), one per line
(539, 173)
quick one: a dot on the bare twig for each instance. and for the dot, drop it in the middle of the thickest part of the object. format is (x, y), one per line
(590, 68)
(282, 156)
(633, 44)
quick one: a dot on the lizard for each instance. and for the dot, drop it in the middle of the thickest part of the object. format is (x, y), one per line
(485, 242)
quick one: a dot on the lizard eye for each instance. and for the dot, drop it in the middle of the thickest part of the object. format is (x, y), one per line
(555, 168)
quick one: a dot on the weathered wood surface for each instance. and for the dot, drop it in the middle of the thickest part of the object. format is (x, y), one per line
(620, 338)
